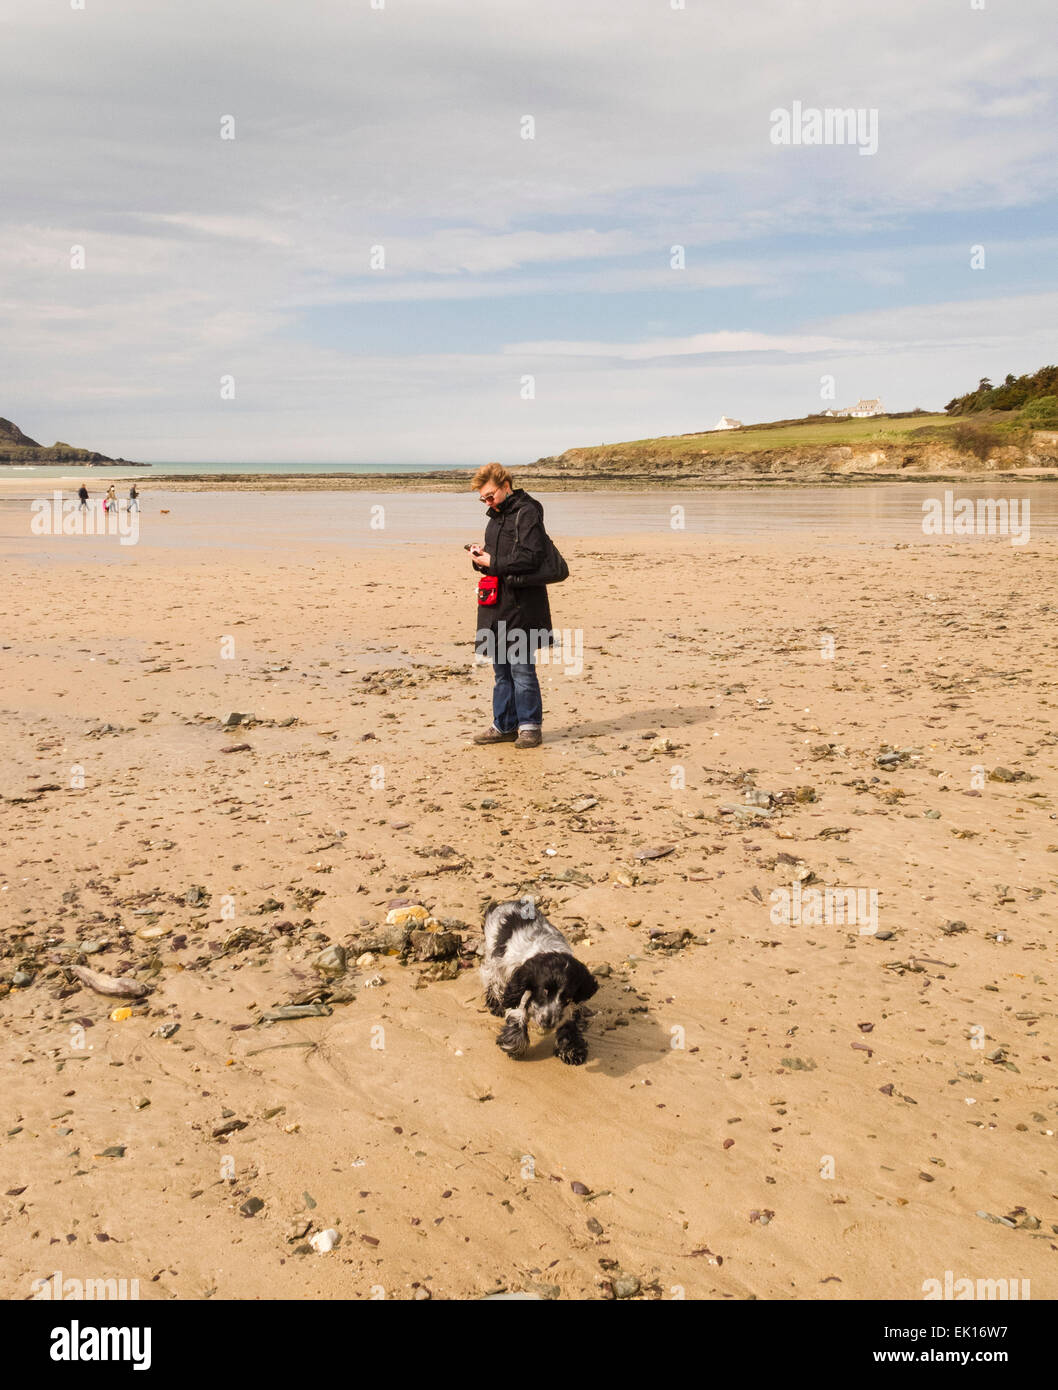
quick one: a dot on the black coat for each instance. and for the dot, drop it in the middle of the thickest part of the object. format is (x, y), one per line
(514, 540)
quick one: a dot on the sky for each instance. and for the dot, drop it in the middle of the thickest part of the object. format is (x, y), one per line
(381, 267)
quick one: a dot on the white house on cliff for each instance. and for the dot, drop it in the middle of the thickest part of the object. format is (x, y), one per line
(862, 410)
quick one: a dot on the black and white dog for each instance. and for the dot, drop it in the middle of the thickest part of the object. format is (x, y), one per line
(532, 976)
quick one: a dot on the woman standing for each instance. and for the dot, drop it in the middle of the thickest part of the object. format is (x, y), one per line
(514, 619)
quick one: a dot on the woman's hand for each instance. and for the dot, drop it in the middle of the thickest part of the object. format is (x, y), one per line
(481, 557)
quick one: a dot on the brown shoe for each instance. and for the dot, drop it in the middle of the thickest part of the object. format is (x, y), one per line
(528, 738)
(493, 735)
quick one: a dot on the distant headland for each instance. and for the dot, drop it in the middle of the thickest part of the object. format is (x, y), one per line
(16, 447)
(1011, 427)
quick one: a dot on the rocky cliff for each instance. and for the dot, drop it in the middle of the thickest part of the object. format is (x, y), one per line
(659, 462)
(16, 447)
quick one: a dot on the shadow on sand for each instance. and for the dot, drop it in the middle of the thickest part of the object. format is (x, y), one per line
(615, 1052)
(635, 721)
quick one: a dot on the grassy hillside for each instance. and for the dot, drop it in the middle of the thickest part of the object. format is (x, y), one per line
(917, 443)
(791, 434)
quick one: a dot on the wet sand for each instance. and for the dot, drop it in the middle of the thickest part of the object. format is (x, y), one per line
(776, 1110)
(815, 517)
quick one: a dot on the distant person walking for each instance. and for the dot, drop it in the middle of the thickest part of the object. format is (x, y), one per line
(514, 615)
(134, 497)
(110, 501)
(82, 493)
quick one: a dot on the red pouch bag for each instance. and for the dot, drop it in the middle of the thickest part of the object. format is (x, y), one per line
(488, 591)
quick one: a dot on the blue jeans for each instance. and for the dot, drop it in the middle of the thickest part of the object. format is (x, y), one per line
(516, 701)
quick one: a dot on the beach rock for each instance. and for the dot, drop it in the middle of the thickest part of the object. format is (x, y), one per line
(545, 1291)
(286, 1012)
(167, 1030)
(577, 876)
(196, 896)
(233, 720)
(228, 1127)
(435, 945)
(252, 1206)
(305, 899)
(313, 994)
(324, 1241)
(331, 961)
(669, 940)
(241, 939)
(22, 979)
(755, 796)
(1002, 774)
(407, 916)
(625, 1286)
(380, 940)
(441, 970)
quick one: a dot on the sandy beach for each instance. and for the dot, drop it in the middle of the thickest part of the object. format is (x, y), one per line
(779, 1109)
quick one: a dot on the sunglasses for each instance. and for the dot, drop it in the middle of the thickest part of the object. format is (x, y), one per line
(486, 497)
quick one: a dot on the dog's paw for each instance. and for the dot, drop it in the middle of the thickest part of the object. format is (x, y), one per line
(493, 1004)
(513, 1038)
(573, 1051)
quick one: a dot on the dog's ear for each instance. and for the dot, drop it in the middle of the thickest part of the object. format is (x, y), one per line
(516, 986)
(583, 983)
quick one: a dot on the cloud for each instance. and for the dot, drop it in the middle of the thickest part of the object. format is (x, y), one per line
(698, 345)
(402, 127)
